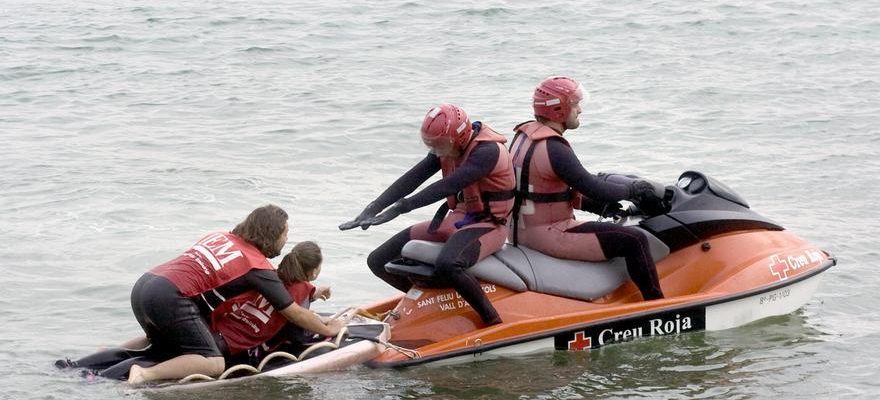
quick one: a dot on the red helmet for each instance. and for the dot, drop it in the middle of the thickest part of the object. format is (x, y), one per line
(445, 127)
(554, 97)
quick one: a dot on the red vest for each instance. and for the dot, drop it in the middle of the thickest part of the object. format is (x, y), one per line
(488, 193)
(549, 198)
(214, 261)
(248, 320)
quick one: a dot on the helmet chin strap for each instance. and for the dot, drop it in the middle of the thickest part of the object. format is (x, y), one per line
(460, 151)
(468, 143)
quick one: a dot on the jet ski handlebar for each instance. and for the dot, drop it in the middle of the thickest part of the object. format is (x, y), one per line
(649, 197)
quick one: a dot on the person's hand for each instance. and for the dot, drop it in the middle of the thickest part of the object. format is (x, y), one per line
(650, 197)
(647, 190)
(362, 219)
(334, 326)
(321, 293)
(389, 214)
(605, 210)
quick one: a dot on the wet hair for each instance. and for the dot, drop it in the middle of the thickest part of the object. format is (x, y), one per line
(262, 228)
(299, 264)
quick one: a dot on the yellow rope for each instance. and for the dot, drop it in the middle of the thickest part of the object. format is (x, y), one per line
(317, 346)
(412, 354)
(238, 367)
(332, 345)
(276, 355)
(195, 377)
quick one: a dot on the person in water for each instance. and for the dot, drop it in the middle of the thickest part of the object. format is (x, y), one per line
(222, 264)
(552, 182)
(246, 323)
(477, 184)
(245, 327)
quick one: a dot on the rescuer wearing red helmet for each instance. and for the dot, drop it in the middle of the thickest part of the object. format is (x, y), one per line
(477, 184)
(552, 182)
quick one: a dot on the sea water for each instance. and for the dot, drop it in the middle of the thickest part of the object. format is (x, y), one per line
(130, 129)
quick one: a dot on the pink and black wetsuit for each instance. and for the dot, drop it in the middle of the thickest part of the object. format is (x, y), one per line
(552, 184)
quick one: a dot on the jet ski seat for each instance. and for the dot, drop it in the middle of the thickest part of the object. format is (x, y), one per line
(521, 268)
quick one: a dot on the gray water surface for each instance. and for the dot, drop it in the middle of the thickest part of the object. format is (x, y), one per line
(129, 130)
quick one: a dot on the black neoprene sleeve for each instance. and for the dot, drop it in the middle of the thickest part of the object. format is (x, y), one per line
(567, 166)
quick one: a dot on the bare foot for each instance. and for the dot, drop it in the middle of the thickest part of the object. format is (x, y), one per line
(136, 375)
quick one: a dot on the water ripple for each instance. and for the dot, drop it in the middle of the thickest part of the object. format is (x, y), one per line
(131, 129)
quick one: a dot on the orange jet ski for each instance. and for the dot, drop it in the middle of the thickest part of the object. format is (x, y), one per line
(721, 265)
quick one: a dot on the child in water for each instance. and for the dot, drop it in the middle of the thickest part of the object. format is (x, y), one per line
(247, 322)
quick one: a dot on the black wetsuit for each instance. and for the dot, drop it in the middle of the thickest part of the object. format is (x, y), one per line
(115, 363)
(568, 167)
(479, 163)
(158, 305)
(463, 248)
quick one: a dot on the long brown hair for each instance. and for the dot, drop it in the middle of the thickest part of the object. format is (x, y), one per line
(262, 228)
(298, 265)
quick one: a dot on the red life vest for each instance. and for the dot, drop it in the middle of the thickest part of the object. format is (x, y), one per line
(542, 197)
(213, 261)
(491, 194)
(248, 320)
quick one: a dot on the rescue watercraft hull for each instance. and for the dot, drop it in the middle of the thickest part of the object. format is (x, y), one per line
(720, 266)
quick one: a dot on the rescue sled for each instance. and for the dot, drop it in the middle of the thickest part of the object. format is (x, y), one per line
(721, 265)
(360, 340)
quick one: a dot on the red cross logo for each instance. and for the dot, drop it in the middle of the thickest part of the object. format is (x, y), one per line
(779, 268)
(580, 342)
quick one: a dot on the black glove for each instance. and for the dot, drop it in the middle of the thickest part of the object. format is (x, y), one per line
(390, 213)
(362, 219)
(643, 190)
(605, 210)
(649, 196)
